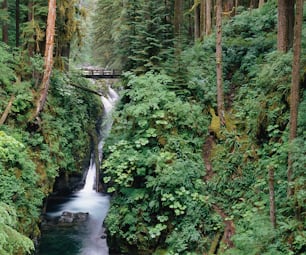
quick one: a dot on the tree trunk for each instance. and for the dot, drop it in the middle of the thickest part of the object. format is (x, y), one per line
(30, 45)
(17, 9)
(191, 22)
(290, 14)
(272, 197)
(228, 6)
(178, 17)
(48, 57)
(7, 110)
(294, 94)
(261, 3)
(5, 26)
(178, 23)
(285, 24)
(220, 97)
(202, 18)
(236, 6)
(197, 24)
(208, 17)
(253, 4)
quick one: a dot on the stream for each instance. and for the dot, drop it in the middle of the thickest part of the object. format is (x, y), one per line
(85, 237)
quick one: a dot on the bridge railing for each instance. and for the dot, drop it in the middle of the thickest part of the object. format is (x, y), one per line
(100, 72)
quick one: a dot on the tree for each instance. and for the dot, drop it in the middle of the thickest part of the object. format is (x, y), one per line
(5, 25)
(17, 7)
(197, 20)
(294, 94)
(208, 17)
(285, 24)
(220, 97)
(50, 32)
(178, 18)
(68, 27)
(261, 3)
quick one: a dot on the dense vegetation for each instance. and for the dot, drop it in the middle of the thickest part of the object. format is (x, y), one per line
(181, 180)
(166, 131)
(34, 152)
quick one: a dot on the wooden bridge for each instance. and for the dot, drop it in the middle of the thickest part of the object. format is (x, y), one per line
(100, 73)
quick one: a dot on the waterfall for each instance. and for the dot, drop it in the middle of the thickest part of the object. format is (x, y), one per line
(108, 103)
(87, 200)
(89, 185)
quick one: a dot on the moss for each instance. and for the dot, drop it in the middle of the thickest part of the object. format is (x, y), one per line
(215, 125)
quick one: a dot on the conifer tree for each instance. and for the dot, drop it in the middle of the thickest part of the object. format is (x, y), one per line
(50, 32)
(285, 25)
(4, 25)
(220, 97)
(294, 95)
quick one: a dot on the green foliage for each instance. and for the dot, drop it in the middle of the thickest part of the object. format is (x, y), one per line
(18, 180)
(255, 235)
(11, 241)
(154, 165)
(138, 33)
(31, 157)
(155, 137)
(7, 75)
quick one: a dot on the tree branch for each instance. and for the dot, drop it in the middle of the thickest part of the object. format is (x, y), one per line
(86, 89)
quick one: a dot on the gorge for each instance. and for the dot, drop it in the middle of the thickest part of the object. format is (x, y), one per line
(74, 224)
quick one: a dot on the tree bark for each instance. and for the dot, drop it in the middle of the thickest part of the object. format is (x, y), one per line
(178, 23)
(86, 89)
(291, 14)
(202, 18)
(5, 26)
(48, 57)
(208, 17)
(285, 24)
(294, 94)
(7, 110)
(178, 17)
(236, 6)
(30, 46)
(272, 197)
(197, 20)
(17, 9)
(220, 97)
(261, 3)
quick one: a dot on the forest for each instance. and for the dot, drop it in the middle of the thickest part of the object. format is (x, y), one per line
(207, 151)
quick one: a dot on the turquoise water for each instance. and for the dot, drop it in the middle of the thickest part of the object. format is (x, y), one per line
(78, 238)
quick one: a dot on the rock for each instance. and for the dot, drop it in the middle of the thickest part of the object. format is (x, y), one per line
(81, 217)
(70, 217)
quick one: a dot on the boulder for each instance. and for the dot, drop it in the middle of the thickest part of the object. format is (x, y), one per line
(70, 217)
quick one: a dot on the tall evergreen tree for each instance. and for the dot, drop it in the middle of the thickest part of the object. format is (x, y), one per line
(4, 25)
(285, 24)
(220, 97)
(294, 95)
(50, 33)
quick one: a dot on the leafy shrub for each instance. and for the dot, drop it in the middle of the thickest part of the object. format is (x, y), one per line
(153, 164)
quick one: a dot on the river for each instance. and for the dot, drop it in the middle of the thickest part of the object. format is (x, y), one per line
(82, 238)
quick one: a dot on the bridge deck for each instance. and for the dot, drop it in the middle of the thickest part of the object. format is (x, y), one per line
(100, 73)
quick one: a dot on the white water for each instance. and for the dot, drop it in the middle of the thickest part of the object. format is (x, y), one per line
(108, 102)
(88, 200)
(90, 178)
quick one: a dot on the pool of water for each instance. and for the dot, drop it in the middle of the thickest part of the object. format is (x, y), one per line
(85, 238)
